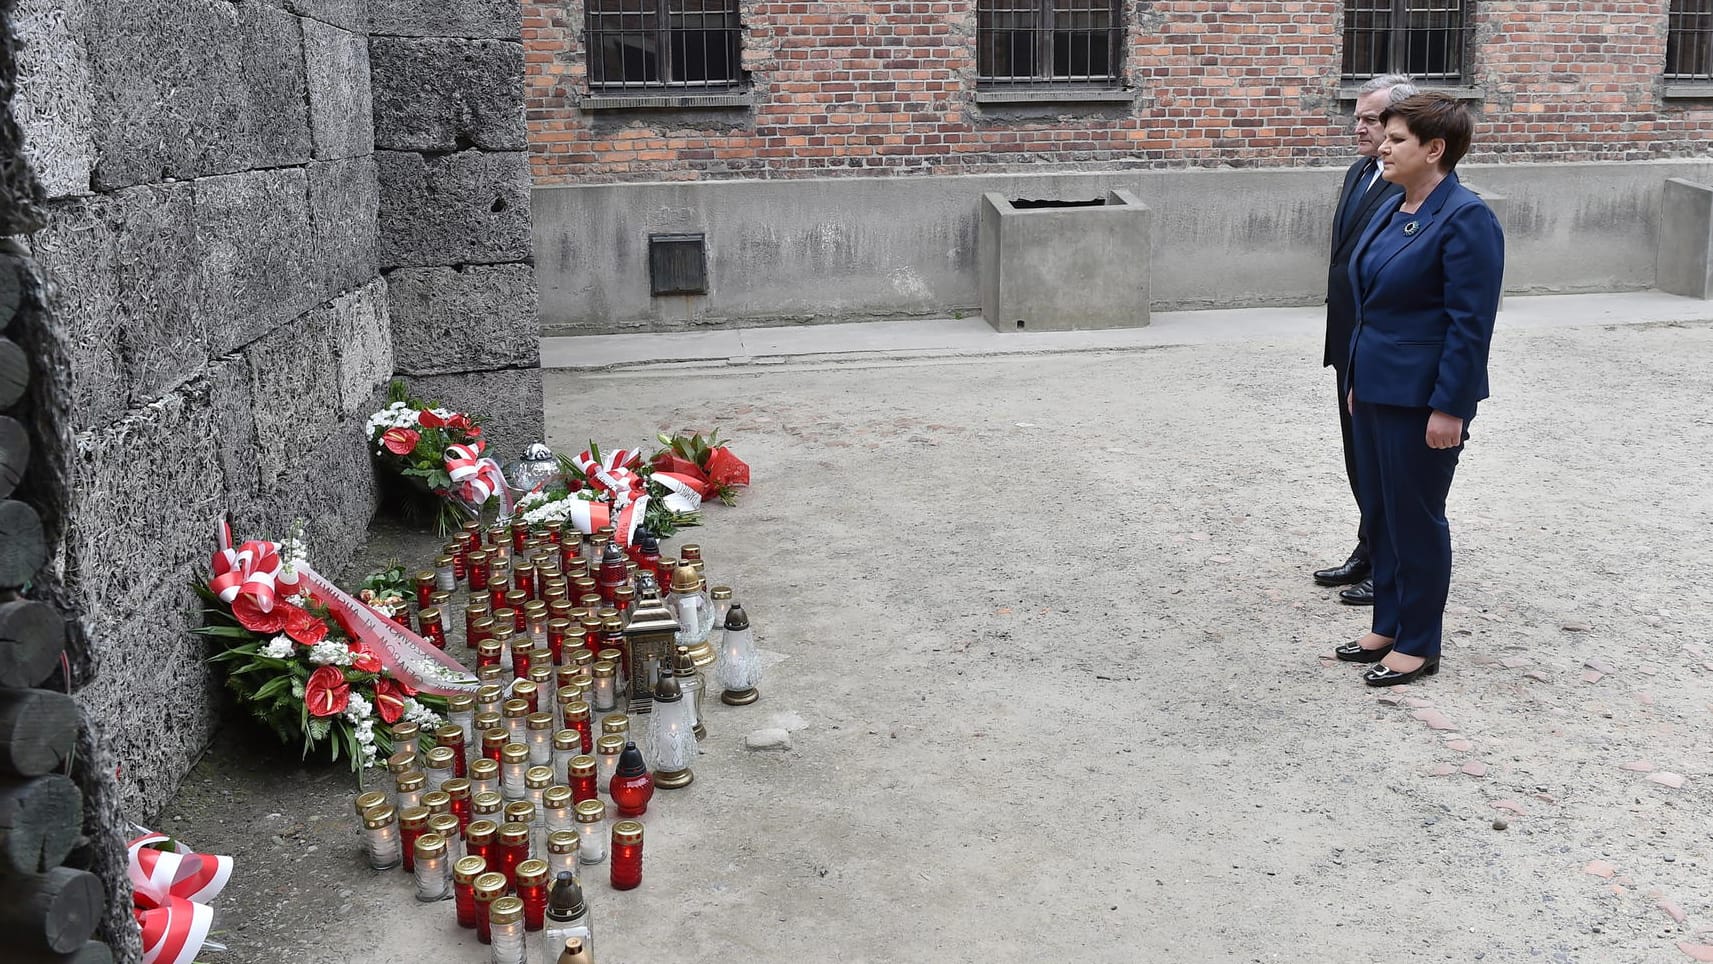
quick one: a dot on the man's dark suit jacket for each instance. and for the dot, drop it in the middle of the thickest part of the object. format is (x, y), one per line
(1340, 297)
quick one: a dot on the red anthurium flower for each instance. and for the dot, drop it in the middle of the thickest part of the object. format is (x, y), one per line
(459, 421)
(303, 626)
(251, 617)
(366, 663)
(428, 419)
(400, 441)
(326, 693)
(389, 700)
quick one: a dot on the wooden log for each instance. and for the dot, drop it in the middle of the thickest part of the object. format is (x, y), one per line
(23, 548)
(92, 952)
(14, 454)
(14, 372)
(53, 912)
(32, 636)
(39, 821)
(38, 729)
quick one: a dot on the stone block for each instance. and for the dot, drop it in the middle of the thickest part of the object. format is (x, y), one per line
(1684, 260)
(344, 205)
(1057, 266)
(363, 342)
(54, 102)
(440, 96)
(498, 19)
(464, 319)
(352, 15)
(124, 280)
(294, 391)
(235, 426)
(466, 208)
(341, 120)
(507, 401)
(331, 487)
(187, 88)
(254, 265)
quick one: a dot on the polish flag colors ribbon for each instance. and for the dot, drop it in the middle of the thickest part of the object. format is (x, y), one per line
(614, 474)
(253, 569)
(591, 517)
(406, 656)
(723, 469)
(173, 886)
(476, 479)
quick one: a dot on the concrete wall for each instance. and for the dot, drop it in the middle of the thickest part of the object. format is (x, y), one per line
(840, 249)
(242, 228)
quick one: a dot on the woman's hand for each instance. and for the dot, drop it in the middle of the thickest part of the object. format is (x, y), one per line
(1444, 431)
(1350, 400)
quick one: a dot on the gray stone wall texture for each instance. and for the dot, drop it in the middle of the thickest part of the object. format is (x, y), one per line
(221, 236)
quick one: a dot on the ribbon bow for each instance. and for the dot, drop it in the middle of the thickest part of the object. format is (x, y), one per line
(253, 569)
(464, 463)
(173, 887)
(614, 474)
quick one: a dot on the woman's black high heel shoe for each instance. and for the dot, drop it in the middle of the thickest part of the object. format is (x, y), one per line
(1354, 653)
(1381, 676)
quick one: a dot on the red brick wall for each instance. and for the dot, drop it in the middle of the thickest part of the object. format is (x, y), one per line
(888, 87)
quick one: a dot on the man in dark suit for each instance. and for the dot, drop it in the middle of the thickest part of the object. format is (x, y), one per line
(1363, 193)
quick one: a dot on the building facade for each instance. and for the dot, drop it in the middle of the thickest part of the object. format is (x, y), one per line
(669, 93)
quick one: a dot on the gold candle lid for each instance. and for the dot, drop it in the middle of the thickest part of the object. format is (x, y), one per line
(430, 845)
(449, 735)
(611, 655)
(532, 873)
(401, 762)
(425, 575)
(612, 624)
(563, 842)
(602, 668)
(505, 910)
(505, 624)
(541, 667)
(481, 832)
(512, 834)
(373, 798)
(581, 658)
(437, 801)
(405, 733)
(611, 744)
(576, 710)
(538, 778)
(487, 801)
(582, 765)
(522, 646)
(564, 674)
(519, 811)
(686, 579)
(488, 649)
(460, 703)
(487, 721)
(444, 824)
(377, 817)
(413, 818)
(491, 673)
(458, 788)
(627, 832)
(615, 723)
(489, 886)
(495, 738)
(514, 708)
(429, 616)
(515, 753)
(516, 599)
(556, 798)
(541, 721)
(720, 593)
(467, 869)
(440, 757)
(567, 740)
(411, 782)
(484, 769)
(490, 693)
(591, 811)
(524, 689)
(534, 607)
(559, 624)
(689, 551)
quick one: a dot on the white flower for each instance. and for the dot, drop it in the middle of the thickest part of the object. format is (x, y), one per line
(297, 689)
(328, 653)
(396, 415)
(280, 647)
(535, 497)
(415, 712)
(357, 710)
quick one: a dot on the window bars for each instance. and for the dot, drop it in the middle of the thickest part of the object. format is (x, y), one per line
(1426, 39)
(662, 43)
(1689, 40)
(1051, 42)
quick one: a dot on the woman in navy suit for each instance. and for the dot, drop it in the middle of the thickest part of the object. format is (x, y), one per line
(1427, 280)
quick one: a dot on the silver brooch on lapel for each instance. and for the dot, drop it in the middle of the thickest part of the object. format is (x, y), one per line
(1411, 227)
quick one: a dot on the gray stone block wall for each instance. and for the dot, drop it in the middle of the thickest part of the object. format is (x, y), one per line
(437, 96)
(471, 207)
(496, 19)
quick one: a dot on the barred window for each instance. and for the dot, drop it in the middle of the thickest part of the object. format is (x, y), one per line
(662, 43)
(1689, 40)
(1426, 39)
(1048, 42)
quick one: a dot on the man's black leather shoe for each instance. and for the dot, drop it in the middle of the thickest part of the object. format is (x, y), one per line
(1354, 569)
(1361, 594)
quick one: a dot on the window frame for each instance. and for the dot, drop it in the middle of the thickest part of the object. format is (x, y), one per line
(1700, 37)
(665, 39)
(1397, 44)
(1045, 30)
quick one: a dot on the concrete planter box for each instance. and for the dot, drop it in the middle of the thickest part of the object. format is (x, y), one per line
(1064, 265)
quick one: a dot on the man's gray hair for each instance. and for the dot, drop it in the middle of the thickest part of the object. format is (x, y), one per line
(1400, 84)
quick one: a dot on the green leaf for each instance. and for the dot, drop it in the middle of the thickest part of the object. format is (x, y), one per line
(273, 686)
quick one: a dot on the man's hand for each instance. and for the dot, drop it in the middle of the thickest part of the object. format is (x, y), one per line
(1444, 431)
(1350, 400)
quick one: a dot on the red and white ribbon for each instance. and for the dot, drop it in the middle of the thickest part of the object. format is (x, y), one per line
(172, 889)
(253, 569)
(405, 655)
(614, 474)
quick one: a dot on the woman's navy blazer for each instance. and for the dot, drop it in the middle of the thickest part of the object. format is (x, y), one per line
(1427, 289)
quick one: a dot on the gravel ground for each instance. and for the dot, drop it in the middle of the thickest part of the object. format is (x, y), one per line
(1060, 688)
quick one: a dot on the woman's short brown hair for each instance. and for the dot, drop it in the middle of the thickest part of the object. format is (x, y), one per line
(1432, 114)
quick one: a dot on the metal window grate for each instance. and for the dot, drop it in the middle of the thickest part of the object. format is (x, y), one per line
(662, 43)
(1689, 40)
(677, 264)
(1426, 39)
(1048, 42)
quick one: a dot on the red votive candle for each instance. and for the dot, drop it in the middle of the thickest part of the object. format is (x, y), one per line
(413, 823)
(582, 773)
(458, 788)
(479, 841)
(532, 890)
(514, 849)
(464, 874)
(627, 855)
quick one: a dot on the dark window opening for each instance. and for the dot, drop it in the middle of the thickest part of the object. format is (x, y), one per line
(1689, 40)
(1426, 39)
(662, 43)
(1048, 42)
